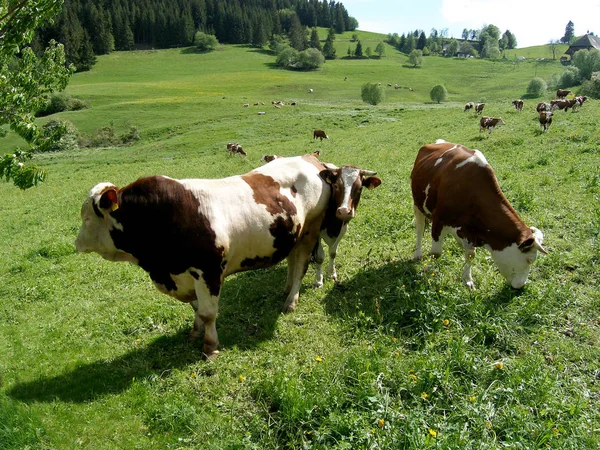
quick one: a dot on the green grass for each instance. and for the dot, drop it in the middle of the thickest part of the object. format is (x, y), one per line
(403, 356)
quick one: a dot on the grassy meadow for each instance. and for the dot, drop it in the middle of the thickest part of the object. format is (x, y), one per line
(401, 355)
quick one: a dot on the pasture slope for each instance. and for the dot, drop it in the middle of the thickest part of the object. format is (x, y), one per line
(401, 356)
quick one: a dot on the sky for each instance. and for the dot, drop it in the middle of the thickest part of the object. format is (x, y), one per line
(533, 22)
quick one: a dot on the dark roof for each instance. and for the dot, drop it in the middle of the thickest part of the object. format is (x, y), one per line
(586, 41)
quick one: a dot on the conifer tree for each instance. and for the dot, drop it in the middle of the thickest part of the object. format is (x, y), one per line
(329, 48)
(314, 39)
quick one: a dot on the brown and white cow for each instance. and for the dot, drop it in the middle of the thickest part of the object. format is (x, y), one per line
(457, 190)
(235, 148)
(346, 183)
(489, 123)
(518, 104)
(469, 106)
(545, 120)
(479, 108)
(543, 106)
(190, 234)
(320, 134)
(563, 104)
(562, 93)
(269, 158)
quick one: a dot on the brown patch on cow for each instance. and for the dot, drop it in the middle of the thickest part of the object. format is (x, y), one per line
(468, 198)
(164, 230)
(267, 191)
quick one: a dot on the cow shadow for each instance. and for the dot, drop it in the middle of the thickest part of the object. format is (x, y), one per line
(395, 296)
(247, 317)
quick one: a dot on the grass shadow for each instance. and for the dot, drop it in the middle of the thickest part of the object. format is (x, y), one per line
(244, 321)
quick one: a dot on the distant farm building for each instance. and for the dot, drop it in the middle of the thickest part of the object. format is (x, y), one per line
(585, 42)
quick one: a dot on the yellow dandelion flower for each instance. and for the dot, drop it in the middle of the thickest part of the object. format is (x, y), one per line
(372, 430)
(446, 322)
(498, 366)
(394, 339)
(556, 431)
(472, 398)
(380, 423)
(193, 374)
(242, 378)
(413, 377)
(424, 395)
(432, 432)
(319, 359)
(138, 340)
(488, 424)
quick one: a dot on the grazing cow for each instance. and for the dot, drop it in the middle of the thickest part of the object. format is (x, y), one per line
(261, 113)
(545, 120)
(389, 84)
(310, 91)
(562, 93)
(518, 104)
(562, 104)
(579, 102)
(479, 108)
(489, 123)
(457, 190)
(320, 134)
(189, 235)
(469, 106)
(542, 106)
(246, 105)
(396, 86)
(346, 184)
(236, 149)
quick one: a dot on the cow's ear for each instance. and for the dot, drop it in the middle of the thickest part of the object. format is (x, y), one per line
(109, 200)
(527, 244)
(371, 182)
(328, 175)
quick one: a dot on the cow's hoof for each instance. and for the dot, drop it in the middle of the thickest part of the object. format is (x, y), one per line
(470, 285)
(210, 356)
(289, 308)
(417, 256)
(194, 336)
(318, 284)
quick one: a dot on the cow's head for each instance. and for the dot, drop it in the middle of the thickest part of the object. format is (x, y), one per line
(94, 234)
(347, 183)
(514, 262)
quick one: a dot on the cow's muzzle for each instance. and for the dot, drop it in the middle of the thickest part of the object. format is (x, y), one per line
(345, 214)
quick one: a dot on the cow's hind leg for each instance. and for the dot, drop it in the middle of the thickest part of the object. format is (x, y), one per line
(207, 307)
(420, 230)
(198, 326)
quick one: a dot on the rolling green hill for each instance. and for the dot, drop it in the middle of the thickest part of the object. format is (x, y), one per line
(401, 355)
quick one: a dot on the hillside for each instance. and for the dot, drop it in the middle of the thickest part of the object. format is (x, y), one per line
(400, 354)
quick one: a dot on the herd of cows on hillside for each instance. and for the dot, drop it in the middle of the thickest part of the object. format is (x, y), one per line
(545, 110)
(190, 234)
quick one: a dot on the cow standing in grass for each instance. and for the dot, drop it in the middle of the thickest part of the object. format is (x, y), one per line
(489, 123)
(320, 134)
(456, 189)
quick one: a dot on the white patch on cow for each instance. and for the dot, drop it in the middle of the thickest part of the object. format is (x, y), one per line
(514, 264)
(349, 176)
(440, 159)
(476, 158)
(440, 141)
(425, 201)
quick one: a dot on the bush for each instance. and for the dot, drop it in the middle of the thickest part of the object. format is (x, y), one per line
(308, 59)
(286, 57)
(587, 61)
(415, 58)
(591, 88)
(107, 137)
(205, 42)
(59, 102)
(536, 87)
(372, 93)
(570, 77)
(57, 135)
(438, 93)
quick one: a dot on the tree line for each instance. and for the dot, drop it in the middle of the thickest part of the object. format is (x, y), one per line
(96, 27)
(486, 42)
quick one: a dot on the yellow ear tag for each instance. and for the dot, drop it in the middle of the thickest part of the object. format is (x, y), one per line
(115, 207)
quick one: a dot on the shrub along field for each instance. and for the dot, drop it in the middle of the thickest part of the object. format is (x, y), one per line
(401, 355)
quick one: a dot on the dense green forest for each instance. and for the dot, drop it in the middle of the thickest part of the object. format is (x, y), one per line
(96, 27)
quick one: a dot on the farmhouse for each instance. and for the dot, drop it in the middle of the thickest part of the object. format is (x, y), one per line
(585, 42)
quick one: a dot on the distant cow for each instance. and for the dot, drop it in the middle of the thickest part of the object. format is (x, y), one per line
(320, 134)
(489, 123)
(518, 104)
(346, 183)
(236, 149)
(456, 189)
(469, 106)
(479, 108)
(542, 106)
(579, 102)
(246, 105)
(310, 91)
(545, 120)
(562, 93)
(563, 104)
(189, 235)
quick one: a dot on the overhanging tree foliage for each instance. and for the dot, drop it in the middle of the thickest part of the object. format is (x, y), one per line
(25, 81)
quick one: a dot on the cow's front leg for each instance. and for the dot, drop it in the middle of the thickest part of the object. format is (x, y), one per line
(319, 255)
(466, 275)
(332, 246)
(207, 307)
(197, 330)
(298, 260)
